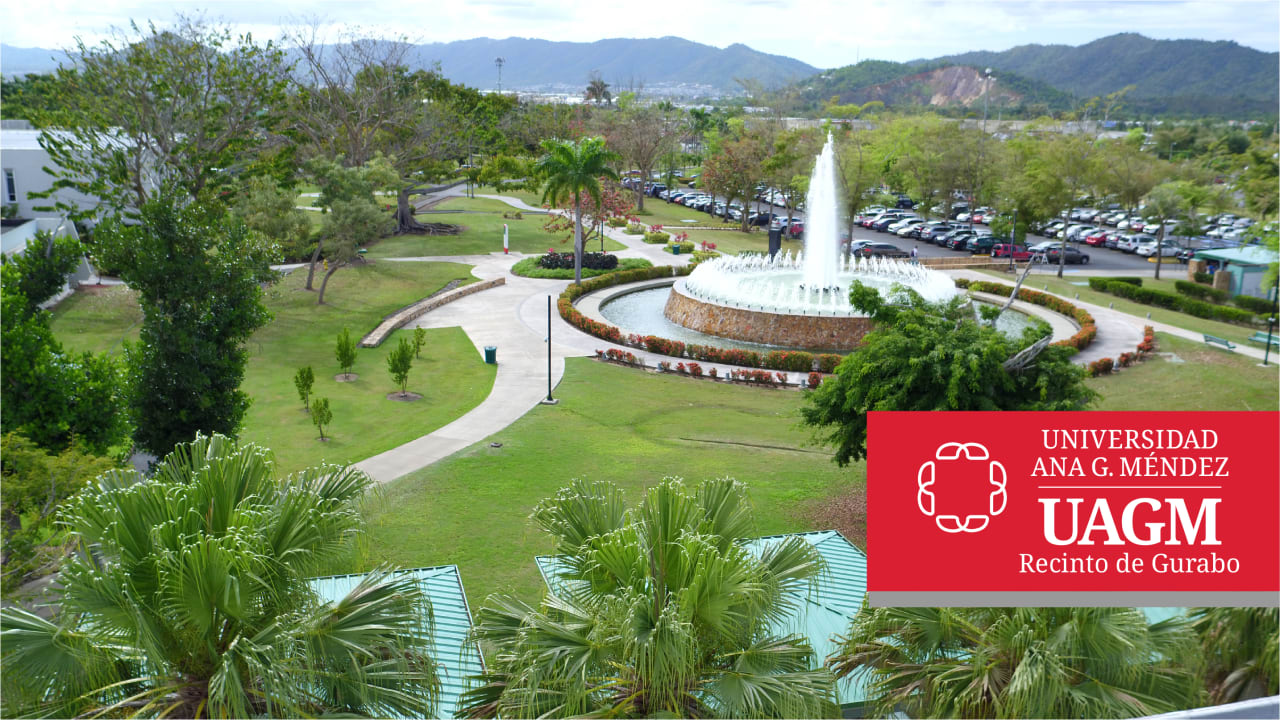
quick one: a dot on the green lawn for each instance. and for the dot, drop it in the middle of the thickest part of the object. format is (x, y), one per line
(482, 233)
(1064, 287)
(451, 375)
(615, 424)
(1208, 378)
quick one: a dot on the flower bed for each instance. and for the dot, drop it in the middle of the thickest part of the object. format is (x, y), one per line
(1088, 328)
(1106, 366)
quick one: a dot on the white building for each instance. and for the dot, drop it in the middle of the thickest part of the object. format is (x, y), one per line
(23, 161)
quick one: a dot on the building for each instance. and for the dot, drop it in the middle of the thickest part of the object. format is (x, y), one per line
(22, 161)
(457, 658)
(1246, 267)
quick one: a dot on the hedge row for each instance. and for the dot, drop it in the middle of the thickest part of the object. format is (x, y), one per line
(1088, 329)
(1200, 292)
(1203, 278)
(1258, 305)
(657, 238)
(797, 361)
(1171, 301)
(590, 261)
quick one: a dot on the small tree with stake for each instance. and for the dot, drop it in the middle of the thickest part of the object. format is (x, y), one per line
(346, 353)
(419, 339)
(321, 415)
(399, 362)
(304, 380)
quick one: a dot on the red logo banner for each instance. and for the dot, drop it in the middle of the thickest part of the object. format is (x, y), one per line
(1085, 508)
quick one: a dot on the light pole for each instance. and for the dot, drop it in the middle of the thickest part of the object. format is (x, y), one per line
(500, 62)
(1271, 321)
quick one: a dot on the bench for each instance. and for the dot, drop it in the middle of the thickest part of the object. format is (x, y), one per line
(1264, 338)
(1214, 340)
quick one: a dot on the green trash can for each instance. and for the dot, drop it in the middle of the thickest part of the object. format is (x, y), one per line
(491, 354)
(675, 249)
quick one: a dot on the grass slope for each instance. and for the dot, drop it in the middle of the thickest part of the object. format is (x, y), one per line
(451, 375)
(612, 424)
(1208, 378)
(481, 220)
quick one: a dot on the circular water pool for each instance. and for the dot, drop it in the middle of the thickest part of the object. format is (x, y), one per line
(641, 312)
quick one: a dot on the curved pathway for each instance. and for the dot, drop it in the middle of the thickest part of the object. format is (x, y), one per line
(514, 319)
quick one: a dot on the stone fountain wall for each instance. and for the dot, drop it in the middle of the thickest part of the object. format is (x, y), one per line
(802, 332)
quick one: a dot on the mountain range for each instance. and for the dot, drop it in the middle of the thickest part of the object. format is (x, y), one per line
(1193, 77)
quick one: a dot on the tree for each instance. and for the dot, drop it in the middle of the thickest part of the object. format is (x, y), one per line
(572, 169)
(354, 217)
(656, 611)
(321, 415)
(858, 170)
(188, 107)
(358, 99)
(188, 597)
(199, 275)
(924, 356)
(1020, 662)
(597, 90)
(1164, 202)
(615, 201)
(1064, 165)
(345, 352)
(270, 209)
(36, 483)
(399, 363)
(735, 165)
(303, 380)
(1241, 647)
(42, 268)
(641, 134)
(49, 395)
(419, 339)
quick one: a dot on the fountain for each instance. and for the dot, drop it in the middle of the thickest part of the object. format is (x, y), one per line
(800, 301)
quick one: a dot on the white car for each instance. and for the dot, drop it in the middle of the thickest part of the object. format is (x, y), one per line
(907, 227)
(1131, 244)
(1148, 249)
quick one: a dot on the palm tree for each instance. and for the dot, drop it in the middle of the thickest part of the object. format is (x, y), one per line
(1020, 662)
(597, 90)
(573, 169)
(1241, 647)
(655, 611)
(188, 598)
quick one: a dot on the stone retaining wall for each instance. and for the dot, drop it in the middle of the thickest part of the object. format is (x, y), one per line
(416, 310)
(811, 332)
(972, 262)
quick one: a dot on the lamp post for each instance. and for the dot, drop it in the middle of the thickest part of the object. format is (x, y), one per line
(548, 400)
(1271, 321)
(500, 62)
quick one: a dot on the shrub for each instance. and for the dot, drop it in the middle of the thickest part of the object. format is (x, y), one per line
(664, 366)
(1202, 292)
(686, 248)
(815, 380)
(658, 238)
(620, 356)
(590, 261)
(321, 415)
(1179, 303)
(788, 360)
(1203, 278)
(634, 229)
(1126, 359)
(303, 381)
(703, 256)
(1100, 367)
(616, 222)
(1258, 305)
(1088, 330)
(827, 362)
(713, 373)
(695, 369)
(758, 377)
(1127, 280)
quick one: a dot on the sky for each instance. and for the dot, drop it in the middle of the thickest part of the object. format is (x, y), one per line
(823, 33)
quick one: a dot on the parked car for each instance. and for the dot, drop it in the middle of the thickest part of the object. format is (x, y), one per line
(984, 243)
(1166, 249)
(1003, 250)
(959, 240)
(760, 219)
(904, 230)
(880, 249)
(1130, 243)
(1096, 238)
(1073, 255)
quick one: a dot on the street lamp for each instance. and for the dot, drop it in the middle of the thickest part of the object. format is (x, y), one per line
(500, 62)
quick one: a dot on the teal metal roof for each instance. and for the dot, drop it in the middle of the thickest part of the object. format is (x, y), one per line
(1248, 255)
(456, 658)
(820, 615)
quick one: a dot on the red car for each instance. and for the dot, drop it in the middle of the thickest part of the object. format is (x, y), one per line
(1096, 239)
(1002, 250)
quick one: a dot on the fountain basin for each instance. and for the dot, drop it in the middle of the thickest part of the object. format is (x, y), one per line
(830, 332)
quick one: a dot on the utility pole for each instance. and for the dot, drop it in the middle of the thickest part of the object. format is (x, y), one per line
(500, 62)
